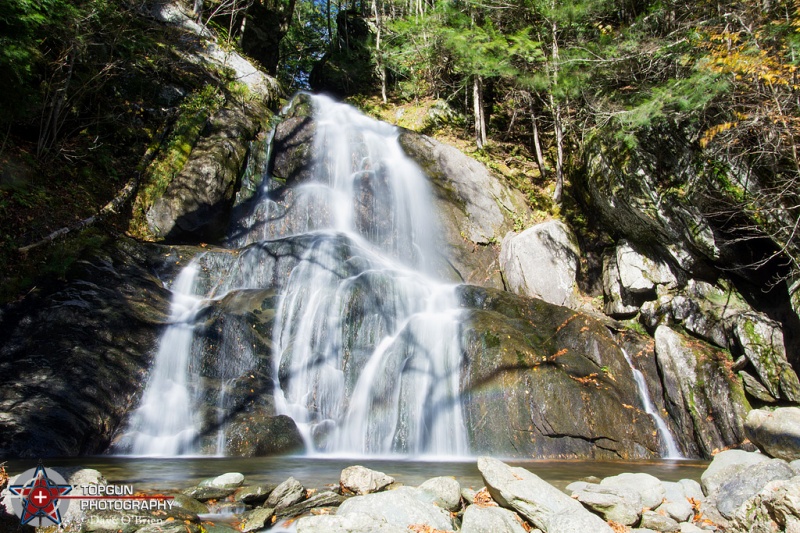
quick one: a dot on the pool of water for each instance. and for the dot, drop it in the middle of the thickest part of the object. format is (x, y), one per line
(316, 472)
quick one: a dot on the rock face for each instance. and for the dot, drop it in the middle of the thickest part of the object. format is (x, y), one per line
(541, 262)
(73, 357)
(776, 433)
(704, 396)
(197, 203)
(543, 381)
(475, 207)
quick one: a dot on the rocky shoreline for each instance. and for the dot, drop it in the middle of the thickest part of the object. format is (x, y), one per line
(738, 492)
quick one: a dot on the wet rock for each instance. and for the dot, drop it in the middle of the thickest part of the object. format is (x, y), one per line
(444, 491)
(754, 388)
(541, 262)
(776, 433)
(189, 504)
(725, 465)
(749, 482)
(479, 519)
(361, 480)
(401, 507)
(286, 494)
(321, 499)
(350, 523)
(704, 396)
(775, 508)
(253, 494)
(204, 494)
(540, 503)
(658, 522)
(257, 433)
(256, 519)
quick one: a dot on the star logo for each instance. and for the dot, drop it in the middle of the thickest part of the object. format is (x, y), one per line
(40, 496)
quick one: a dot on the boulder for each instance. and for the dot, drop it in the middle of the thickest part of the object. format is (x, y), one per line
(776, 433)
(478, 519)
(659, 522)
(537, 501)
(256, 519)
(361, 480)
(613, 297)
(775, 508)
(188, 503)
(196, 205)
(231, 480)
(649, 489)
(444, 491)
(253, 494)
(676, 503)
(325, 498)
(203, 494)
(401, 507)
(749, 482)
(640, 274)
(704, 397)
(726, 465)
(286, 494)
(614, 504)
(541, 262)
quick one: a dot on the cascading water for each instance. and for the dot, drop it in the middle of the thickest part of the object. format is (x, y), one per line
(164, 423)
(365, 338)
(670, 446)
(368, 359)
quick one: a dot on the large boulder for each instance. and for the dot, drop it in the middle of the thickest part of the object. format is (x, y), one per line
(478, 519)
(541, 262)
(776, 433)
(704, 396)
(726, 465)
(749, 482)
(362, 480)
(537, 501)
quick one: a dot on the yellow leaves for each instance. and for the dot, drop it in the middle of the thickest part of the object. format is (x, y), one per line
(713, 131)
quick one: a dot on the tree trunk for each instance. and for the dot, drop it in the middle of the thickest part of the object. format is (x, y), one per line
(477, 103)
(559, 152)
(537, 145)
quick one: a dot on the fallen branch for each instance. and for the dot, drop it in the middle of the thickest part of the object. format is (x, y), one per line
(113, 206)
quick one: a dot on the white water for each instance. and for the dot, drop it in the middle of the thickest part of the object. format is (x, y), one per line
(164, 424)
(671, 450)
(366, 347)
(369, 358)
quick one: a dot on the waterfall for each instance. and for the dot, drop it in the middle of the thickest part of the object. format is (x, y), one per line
(367, 355)
(365, 340)
(668, 441)
(164, 423)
